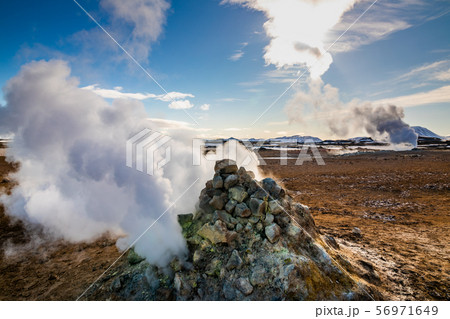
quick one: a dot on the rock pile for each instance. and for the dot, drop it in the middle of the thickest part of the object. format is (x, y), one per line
(248, 240)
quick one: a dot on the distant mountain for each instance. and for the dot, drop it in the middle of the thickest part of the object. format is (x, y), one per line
(424, 132)
(362, 139)
(296, 139)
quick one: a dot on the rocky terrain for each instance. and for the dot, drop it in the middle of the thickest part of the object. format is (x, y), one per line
(398, 201)
(248, 240)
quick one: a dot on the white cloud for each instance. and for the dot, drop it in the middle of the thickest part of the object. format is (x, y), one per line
(230, 99)
(181, 105)
(436, 71)
(440, 95)
(382, 20)
(297, 30)
(205, 107)
(173, 96)
(117, 93)
(237, 55)
(144, 18)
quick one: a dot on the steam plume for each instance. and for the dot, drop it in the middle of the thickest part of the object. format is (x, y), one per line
(356, 117)
(73, 179)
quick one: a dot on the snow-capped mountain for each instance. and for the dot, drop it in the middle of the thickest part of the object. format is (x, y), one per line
(424, 132)
(296, 139)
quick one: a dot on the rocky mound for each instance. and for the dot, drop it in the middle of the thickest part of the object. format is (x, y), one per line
(248, 240)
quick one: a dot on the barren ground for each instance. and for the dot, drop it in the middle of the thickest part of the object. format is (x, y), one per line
(400, 201)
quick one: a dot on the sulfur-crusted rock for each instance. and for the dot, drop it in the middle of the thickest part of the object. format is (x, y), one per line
(237, 193)
(216, 233)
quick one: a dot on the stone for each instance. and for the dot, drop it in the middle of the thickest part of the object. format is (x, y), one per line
(268, 184)
(197, 257)
(225, 217)
(253, 187)
(276, 191)
(216, 233)
(252, 175)
(258, 276)
(209, 184)
(257, 206)
(239, 227)
(244, 286)
(184, 219)
(217, 202)
(294, 231)
(230, 181)
(244, 177)
(241, 210)
(241, 171)
(260, 194)
(269, 219)
(253, 220)
(230, 205)
(226, 166)
(217, 182)
(272, 232)
(248, 227)
(259, 226)
(116, 284)
(237, 193)
(213, 268)
(228, 291)
(204, 204)
(235, 261)
(176, 265)
(133, 258)
(357, 232)
(275, 208)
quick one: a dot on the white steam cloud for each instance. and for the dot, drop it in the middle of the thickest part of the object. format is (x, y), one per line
(381, 121)
(298, 30)
(73, 180)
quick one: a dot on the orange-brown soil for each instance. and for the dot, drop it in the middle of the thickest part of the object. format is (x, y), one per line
(399, 201)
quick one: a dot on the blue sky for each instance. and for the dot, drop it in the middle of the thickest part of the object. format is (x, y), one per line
(215, 55)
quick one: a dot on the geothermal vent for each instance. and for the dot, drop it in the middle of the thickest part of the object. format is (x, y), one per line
(248, 240)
